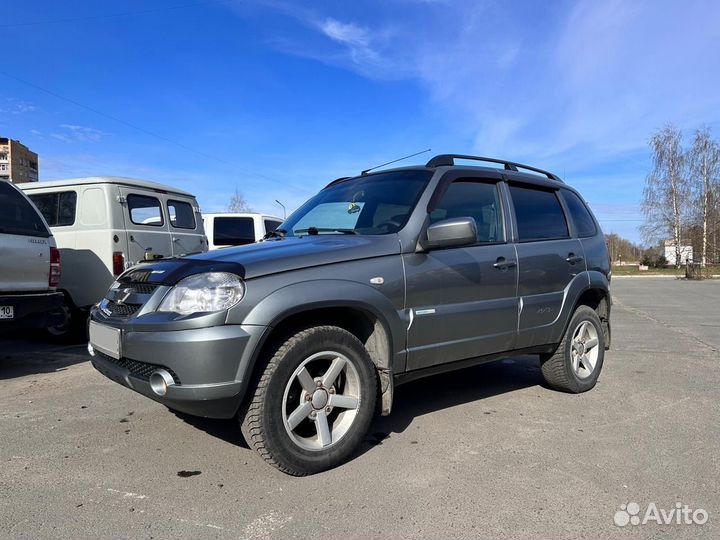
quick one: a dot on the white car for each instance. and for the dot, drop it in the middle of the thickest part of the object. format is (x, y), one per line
(237, 229)
(105, 224)
(29, 264)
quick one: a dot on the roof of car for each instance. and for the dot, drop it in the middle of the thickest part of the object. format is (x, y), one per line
(240, 214)
(119, 180)
(520, 176)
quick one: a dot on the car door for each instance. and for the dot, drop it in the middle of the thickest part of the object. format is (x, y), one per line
(146, 224)
(462, 301)
(548, 259)
(185, 226)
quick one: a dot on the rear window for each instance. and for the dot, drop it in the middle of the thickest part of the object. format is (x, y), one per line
(583, 221)
(539, 214)
(17, 215)
(57, 208)
(233, 231)
(145, 210)
(181, 215)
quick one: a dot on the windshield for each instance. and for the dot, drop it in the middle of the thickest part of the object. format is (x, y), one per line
(374, 204)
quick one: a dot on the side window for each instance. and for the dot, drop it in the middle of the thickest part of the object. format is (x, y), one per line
(181, 215)
(233, 231)
(584, 224)
(57, 208)
(539, 214)
(475, 199)
(271, 225)
(145, 210)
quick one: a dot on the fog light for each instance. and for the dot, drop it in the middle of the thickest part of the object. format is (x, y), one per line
(91, 349)
(160, 380)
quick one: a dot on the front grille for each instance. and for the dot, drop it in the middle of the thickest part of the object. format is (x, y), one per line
(142, 288)
(127, 299)
(141, 370)
(122, 310)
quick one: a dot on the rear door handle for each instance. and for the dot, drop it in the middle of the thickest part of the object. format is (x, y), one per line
(502, 264)
(573, 259)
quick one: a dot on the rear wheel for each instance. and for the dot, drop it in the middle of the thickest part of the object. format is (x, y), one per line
(72, 326)
(313, 403)
(576, 364)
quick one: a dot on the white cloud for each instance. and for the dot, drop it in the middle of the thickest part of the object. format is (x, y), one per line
(75, 133)
(17, 106)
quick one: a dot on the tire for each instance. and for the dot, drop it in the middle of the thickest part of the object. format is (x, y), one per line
(572, 368)
(335, 366)
(73, 329)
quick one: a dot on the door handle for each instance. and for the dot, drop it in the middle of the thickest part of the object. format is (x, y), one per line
(573, 259)
(502, 264)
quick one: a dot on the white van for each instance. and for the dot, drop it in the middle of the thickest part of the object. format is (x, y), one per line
(237, 229)
(106, 224)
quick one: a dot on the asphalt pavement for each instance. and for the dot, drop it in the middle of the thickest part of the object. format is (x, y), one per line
(483, 452)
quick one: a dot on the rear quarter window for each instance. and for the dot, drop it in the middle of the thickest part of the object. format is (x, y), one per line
(583, 221)
(539, 214)
(17, 215)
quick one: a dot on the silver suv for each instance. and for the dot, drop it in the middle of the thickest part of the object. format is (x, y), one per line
(378, 279)
(29, 264)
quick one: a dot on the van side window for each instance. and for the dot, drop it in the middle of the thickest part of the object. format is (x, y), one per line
(181, 215)
(583, 221)
(539, 214)
(145, 210)
(233, 231)
(57, 208)
(468, 197)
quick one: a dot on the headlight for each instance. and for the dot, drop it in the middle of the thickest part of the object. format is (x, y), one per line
(213, 291)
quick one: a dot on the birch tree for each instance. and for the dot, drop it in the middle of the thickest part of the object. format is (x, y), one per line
(704, 163)
(666, 192)
(238, 203)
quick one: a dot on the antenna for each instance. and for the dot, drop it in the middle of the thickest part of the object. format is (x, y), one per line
(363, 173)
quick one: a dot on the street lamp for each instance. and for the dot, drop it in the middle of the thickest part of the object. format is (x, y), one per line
(283, 207)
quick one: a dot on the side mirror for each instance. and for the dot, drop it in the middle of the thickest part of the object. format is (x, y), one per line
(451, 232)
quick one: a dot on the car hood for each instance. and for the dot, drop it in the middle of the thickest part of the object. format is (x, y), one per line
(269, 257)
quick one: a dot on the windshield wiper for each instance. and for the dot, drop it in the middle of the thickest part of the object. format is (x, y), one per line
(312, 231)
(277, 233)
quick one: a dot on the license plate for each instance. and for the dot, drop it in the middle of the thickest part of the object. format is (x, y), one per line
(7, 312)
(105, 339)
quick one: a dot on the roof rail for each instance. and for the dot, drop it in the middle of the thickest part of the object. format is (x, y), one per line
(449, 160)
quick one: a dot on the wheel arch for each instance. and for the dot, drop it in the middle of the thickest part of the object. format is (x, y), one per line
(361, 310)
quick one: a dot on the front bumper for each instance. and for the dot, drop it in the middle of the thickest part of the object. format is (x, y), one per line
(33, 310)
(210, 366)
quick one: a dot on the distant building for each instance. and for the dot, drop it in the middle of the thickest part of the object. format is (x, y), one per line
(17, 162)
(686, 253)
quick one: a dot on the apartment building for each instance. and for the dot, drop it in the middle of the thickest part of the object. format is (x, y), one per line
(17, 162)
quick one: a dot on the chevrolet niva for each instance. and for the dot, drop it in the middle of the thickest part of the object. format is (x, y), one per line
(378, 279)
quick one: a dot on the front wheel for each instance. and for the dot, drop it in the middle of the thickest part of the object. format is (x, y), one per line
(313, 402)
(576, 364)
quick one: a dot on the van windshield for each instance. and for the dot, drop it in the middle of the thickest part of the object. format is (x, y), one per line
(17, 215)
(374, 204)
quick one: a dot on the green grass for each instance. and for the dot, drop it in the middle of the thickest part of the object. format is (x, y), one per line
(633, 271)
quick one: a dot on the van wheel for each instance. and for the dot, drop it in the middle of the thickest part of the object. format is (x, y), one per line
(73, 326)
(576, 364)
(313, 402)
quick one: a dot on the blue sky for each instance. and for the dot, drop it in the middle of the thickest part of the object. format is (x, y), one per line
(277, 98)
